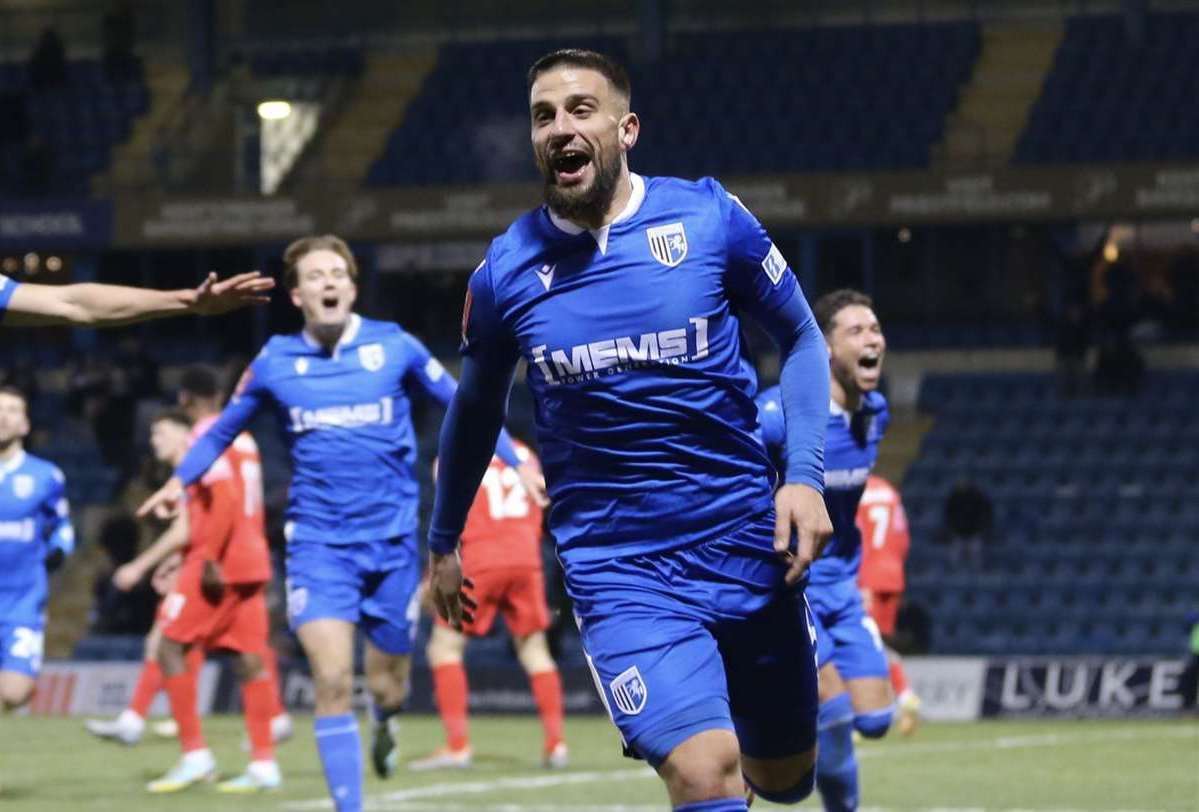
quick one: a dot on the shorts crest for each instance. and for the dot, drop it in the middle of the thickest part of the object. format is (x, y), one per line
(629, 691)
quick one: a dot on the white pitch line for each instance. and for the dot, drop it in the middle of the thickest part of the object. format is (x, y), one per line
(479, 787)
(397, 800)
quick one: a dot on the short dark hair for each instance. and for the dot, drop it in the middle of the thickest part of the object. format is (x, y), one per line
(177, 416)
(611, 70)
(200, 381)
(9, 389)
(830, 304)
(304, 246)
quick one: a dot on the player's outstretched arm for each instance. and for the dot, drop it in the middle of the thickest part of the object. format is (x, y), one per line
(90, 304)
(440, 385)
(173, 539)
(468, 434)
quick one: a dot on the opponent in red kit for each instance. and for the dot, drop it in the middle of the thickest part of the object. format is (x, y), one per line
(501, 559)
(885, 543)
(198, 397)
(218, 601)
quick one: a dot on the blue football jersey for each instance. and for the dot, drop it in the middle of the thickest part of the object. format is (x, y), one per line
(643, 412)
(346, 421)
(34, 519)
(7, 288)
(850, 449)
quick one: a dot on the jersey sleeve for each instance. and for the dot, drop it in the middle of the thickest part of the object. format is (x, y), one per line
(475, 417)
(760, 282)
(756, 275)
(485, 336)
(249, 396)
(7, 288)
(60, 534)
(426, 372)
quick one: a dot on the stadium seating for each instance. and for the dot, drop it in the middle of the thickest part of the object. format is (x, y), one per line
(1109, 99)
(831, 98)
(77, 125)
(1096, 540)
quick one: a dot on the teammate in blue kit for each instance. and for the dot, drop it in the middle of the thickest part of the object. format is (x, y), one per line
(88, 304)
(622, 295)
(855, 688)
(341, 390)
(35, 535)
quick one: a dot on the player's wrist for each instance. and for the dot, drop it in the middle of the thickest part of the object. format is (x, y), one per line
(442, 545)
(806, 481)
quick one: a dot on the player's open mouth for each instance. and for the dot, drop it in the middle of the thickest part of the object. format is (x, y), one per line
(330, 302)
(569, 165)
(869, 362)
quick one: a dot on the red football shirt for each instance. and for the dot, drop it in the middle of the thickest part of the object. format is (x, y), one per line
(503, 527)
(226, 515)
(885, 537)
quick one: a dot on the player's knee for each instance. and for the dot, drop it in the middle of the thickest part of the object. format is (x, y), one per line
(248, 666)
(874, 724)
(791, 793)
(14, 695)
(702, 774)
(786, 780)
(172, 657)
(334, 687)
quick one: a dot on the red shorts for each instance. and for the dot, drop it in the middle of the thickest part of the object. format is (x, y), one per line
(518, 593)
(238, 623)
(884, 608)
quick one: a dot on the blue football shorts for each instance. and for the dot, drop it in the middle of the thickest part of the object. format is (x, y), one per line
(372, 584)
(699, 638)
(21, 648)
(846, 636)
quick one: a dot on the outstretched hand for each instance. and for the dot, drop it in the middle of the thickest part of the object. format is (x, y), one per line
(216, 297)
(163, 503)
(800, 514)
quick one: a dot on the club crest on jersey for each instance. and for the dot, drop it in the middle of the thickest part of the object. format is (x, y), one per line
(301, 366)
(371, 356)
(629, 691)
(668, 243)
(22, 486)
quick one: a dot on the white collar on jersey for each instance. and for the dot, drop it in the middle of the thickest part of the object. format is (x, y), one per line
(835, 408)
(347, 335)
(601, 234)
(13, 464)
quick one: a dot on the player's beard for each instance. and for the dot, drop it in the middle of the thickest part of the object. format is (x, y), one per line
(588, 205)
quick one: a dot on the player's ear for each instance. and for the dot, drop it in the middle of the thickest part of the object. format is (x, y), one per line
(628, 129)
(295, 296)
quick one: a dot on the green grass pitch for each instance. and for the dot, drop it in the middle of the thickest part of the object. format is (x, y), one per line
(53, 764)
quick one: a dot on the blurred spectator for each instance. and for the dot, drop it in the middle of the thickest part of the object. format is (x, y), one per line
(37, 167)
(1119, 367)
(14, 112)
(968, 524)
(119, 34)
(1070, 350)
(114, 611)
(48, 65)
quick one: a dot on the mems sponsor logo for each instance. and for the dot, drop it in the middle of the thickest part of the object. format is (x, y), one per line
(350, 416)
(612, 356)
